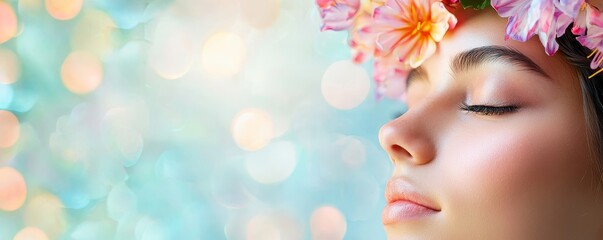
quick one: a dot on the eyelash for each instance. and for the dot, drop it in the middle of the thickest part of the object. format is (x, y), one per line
(488, 110)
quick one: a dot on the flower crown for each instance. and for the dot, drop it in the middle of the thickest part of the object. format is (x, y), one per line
(401, 34)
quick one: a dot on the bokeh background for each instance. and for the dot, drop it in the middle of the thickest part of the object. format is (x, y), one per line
(185, 119)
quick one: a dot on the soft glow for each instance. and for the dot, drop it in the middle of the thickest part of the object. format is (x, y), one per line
(327, 223)
(345, 85)
(8, 22)
(31, 233)
(9, 129)
(127, 141)
(63, 9)
(261, 14)
(171, 53)
(262, 228)
(45, 211)
(12, 189)
(82, 72)
(93, 33)
(10, 69)
(353, 151)
(252, 129)
(6, 96)
(29, 5)
(273, 164)
(223, 54)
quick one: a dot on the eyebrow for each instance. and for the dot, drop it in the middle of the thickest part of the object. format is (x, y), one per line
(476, 57)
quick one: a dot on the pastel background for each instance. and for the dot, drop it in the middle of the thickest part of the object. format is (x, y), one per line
(185, 119)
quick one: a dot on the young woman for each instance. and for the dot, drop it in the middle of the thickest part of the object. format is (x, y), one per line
(502, 138)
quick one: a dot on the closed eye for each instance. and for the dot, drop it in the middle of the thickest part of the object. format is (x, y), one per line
(488, 110)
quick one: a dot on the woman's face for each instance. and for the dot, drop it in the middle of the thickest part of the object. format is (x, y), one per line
(494, 140)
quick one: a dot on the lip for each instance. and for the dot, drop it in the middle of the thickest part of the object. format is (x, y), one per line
(405, 203)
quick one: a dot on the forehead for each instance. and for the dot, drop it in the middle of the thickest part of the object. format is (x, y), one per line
(487, 29)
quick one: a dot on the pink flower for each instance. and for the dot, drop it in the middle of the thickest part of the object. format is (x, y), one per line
(579, 27)
(390, 77)
(337, 15)
(594, 38)
(547, 18)
(410, 29)
(363, 45)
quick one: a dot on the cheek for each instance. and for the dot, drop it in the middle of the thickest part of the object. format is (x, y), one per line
(518, 172)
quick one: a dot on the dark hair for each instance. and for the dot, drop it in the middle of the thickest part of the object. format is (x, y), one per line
(592, 93)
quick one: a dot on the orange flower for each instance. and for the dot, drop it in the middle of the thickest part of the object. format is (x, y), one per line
(410, 29)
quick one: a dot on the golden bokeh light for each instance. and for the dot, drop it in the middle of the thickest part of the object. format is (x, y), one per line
(327, 223)
(64, 9)
(345, 85)
(261, 14)
(252, 129)
(46, 212)
(9, 129)
(82, 72)
(10, 69)
(223, 54)
(8, 22)
(30, 233)
(13, 189)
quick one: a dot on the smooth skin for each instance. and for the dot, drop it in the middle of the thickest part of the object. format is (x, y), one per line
(516, 175)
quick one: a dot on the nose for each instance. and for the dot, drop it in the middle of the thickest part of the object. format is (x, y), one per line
(408, 139)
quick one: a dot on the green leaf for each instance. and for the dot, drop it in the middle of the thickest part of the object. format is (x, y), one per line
(476, 4)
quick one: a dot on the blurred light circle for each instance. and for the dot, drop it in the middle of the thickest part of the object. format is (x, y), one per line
(30, 233)
(261, 14)
(127, 14)
(223, 54)
(345, 85)
(93, 33)
(273, 164)
(6, 96)
(63, 9)
(262, 227)
(8, 22)
(45, 211)
(130, 144)
(252, 129)
(10, 69)
(126, 141)
(171, 53)
(353, 151)
(327, 223)
(82, 72)
(13, 189)
(9, 129)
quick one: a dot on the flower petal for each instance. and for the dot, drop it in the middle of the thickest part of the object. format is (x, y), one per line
(569, 7)
(427, 48)
(338, 17)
